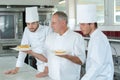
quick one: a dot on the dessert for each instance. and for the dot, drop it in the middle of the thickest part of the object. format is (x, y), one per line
(59, 52)
(23, 46)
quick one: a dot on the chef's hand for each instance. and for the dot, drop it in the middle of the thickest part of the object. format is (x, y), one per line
(64, 56)
(13, 71)
(74, 59)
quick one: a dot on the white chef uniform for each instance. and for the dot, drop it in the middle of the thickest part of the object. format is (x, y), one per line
(34, 39)
(61, 68)
(99, 63)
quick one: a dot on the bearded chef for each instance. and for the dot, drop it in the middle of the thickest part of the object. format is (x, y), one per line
(34, 35)
(99, 63)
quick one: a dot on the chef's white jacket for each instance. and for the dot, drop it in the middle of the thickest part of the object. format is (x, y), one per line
(62, 68)
(99, 63)
(36, 41)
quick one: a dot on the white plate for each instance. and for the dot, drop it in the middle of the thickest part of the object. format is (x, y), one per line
(21, 49)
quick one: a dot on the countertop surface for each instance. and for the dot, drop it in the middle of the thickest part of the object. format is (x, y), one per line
(25, 73)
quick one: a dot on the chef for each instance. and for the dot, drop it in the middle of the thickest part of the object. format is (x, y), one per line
(68, 43)
(34, 35)
(99, 63)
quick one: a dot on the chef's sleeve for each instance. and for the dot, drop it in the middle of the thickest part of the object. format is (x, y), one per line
(79, 48)
(96, 60)
(20, 59)
(22, 55)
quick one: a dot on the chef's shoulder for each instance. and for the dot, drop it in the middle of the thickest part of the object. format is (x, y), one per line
(26, 30)
(75, 34)
(48, 29)
(51, 35)
(45, 27)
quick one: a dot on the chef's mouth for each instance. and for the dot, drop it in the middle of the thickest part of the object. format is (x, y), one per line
(32, 29)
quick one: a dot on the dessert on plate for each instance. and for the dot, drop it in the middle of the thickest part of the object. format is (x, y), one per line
(23, 46)
(59, 52)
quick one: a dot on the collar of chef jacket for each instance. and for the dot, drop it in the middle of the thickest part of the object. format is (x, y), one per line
(39, 28)
(67, 31)
(94, 32)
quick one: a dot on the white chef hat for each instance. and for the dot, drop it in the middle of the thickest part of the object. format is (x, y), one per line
(31, 14)
(86, 13)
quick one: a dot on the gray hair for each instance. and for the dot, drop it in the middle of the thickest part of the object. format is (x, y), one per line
(62, 16)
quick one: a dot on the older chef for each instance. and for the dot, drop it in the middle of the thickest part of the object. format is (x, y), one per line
(34, 35)
(66, 42)
(99, 63)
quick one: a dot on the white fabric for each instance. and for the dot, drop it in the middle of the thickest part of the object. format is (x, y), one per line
(61, 68)
(40, 67)
(86, 13)
(31, 14)
(36, 40)
(99, 64)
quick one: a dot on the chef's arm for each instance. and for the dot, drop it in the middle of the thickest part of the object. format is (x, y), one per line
(93, 71)
(74, 59)
(78, 54)
(36, 55)
(39, 56)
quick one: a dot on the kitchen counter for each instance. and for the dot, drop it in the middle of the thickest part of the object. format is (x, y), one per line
(25, 73)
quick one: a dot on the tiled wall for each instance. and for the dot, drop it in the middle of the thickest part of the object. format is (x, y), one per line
(114, 34)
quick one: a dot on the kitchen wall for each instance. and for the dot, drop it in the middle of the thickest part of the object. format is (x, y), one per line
(113, 36)
(110, 31)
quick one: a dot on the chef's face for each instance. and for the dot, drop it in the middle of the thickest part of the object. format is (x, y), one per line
(33, 26)
(56, 23)
(85, 28)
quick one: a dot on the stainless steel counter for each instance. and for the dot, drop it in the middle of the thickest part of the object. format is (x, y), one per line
(25, 73)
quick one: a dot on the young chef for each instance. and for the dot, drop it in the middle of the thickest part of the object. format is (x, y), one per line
(99, 63)
(67, 42)
(34, 35)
